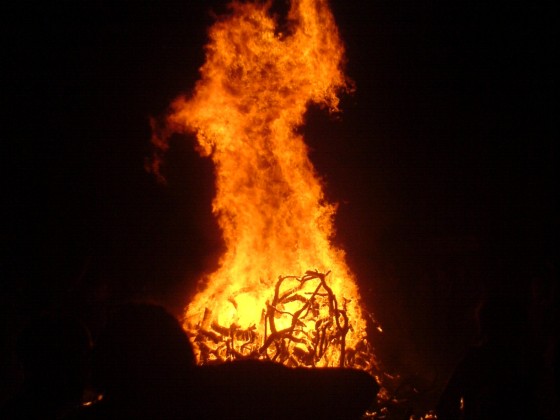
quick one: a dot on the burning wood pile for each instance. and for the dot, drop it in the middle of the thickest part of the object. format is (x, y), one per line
(304, 326)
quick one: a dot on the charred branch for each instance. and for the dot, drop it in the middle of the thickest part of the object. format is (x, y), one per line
(302, 328)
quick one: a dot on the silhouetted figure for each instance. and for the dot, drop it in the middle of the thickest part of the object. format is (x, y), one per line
(142, 366)
(494, 381)
(54, 354)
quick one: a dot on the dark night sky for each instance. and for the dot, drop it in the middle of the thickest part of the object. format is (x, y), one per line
(442, 161)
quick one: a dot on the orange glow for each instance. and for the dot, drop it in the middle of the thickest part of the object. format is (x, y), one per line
(253, 93)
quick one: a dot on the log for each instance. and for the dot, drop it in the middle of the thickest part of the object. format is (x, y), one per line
(252, 389)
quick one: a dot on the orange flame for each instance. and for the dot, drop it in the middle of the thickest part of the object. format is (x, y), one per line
(256, 84)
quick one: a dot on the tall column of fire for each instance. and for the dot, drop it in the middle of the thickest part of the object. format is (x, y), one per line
(282, 291)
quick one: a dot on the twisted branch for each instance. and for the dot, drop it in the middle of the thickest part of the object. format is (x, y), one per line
(316, 331)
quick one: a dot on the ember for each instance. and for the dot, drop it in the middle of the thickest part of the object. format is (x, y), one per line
(256, 84)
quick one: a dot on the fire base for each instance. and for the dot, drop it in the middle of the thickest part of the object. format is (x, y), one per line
(303, 325)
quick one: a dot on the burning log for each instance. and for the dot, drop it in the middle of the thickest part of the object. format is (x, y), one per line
(304, 326)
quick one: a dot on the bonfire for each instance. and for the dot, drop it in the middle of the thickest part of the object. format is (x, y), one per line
(283, 291)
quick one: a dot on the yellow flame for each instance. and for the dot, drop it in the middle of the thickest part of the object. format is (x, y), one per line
(254, 89)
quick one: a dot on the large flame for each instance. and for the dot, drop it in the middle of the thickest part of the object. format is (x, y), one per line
(254, 89)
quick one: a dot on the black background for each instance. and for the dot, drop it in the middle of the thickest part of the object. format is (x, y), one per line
(443, 162)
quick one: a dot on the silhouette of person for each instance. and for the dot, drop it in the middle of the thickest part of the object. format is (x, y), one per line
(142, 366)
(494, 380)
(54, 354)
